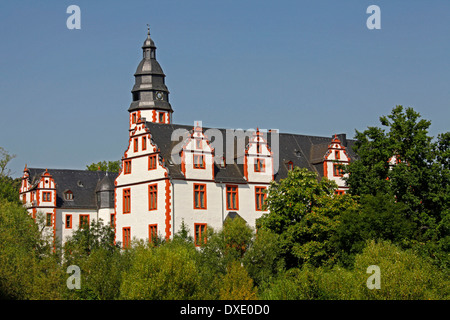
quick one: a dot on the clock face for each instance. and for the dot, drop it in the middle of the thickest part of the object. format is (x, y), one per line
(159, 95)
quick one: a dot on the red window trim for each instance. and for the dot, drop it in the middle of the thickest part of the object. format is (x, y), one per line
(144, 143)
(152, 162)
(80, 224)
(70, 221)
(153, 194)
(126, 237)
(230, 193)
(201, 193)
(126, 197)
(262, 195)
(152, 231)
(260, 165)
(126, 166)
(46, 196)
(202, 237)
(197, 164)
(336, 171)
(136, 144)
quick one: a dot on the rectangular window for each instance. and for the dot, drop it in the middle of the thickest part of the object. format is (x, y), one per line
(152, 196)
(161, 117)
(290, 166)
(152, 162)
(259, 165)
(200, 234)
(199, 161)
(133, 115)
(112, 220)
(136, 144)
(338, 171)
(127, 200)
(199, 196)
(126, 237)
(68, 221)
(46, 196)
(198, 143)
(260, 197)
(336, 155)
(48, 220)
(127, 167)
(232, 198)
(84, 220)
(152, 232)
(144, 143)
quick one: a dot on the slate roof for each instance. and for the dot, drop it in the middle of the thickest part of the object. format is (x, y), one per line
(304, 151)
(82, 183)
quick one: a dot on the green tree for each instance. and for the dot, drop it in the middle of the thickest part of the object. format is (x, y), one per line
(236, 284)
(168, 272)
(110, 166)
(305, 213)
(100, 261)
(28, 268)
(403, 274)
(263, 260)
(377, 217)
(420, 179)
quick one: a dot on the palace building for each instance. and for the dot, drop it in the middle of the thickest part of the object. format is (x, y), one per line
(173, 174)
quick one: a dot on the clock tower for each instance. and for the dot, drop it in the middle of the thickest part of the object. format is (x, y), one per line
(150, 94)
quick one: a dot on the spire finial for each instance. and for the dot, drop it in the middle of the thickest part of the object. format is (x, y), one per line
(148, 30)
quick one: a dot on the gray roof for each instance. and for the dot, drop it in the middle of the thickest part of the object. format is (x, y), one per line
(82, 183)
(149, 79)
(302, 150)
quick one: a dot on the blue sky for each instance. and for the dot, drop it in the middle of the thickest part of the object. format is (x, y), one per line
(308, 67)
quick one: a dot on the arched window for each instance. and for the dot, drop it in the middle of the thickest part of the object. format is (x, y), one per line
(68, 195)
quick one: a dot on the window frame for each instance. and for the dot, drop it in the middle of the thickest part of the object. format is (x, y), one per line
(152, 232)
(144, 143)
(196, 162)
(126, 200)
(126, 237)
(153, 195)
(261, 192)
(229, 196)
(49, 219)
(135, 144)
(68, 219)
(260, 165)
(199, 230)
(80, 220)
(127, 166)
(68, 195)
(201, 194)
(336, 171)
(152, 162)
(46, 196)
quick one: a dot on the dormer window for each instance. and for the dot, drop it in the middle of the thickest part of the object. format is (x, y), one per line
(68, 195)
(290, 166)
(336, 155)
